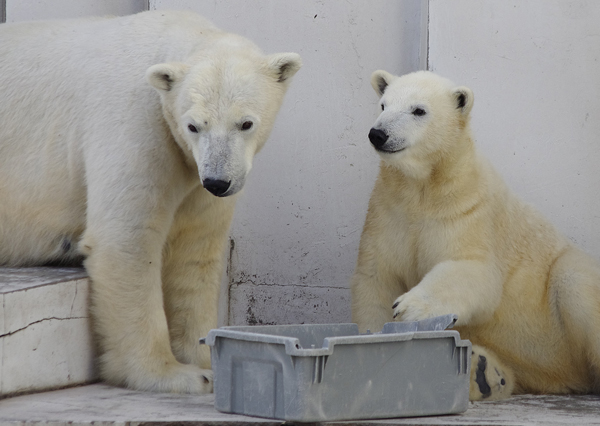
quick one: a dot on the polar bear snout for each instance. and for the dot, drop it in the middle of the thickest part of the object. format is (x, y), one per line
(216, 187)
(378, 138)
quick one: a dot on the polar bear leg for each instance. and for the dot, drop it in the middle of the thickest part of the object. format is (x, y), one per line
(490, 379)
(371, 296)
(468, 288)
(372, 287)
(574, 296)
(129, 320)
(127, 227)
(193, 266)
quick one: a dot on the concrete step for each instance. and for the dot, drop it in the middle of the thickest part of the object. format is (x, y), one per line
(100, 404)
(45, 339)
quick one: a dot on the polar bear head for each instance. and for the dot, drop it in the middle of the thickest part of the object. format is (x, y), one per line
(221, 108)
(423, 116)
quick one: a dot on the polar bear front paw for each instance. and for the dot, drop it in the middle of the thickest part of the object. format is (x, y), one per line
(187, 379)
(177, 378)
(414, 306)
(490, 380)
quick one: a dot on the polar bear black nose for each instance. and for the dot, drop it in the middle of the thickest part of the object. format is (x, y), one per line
(377, 137)
(215, 186)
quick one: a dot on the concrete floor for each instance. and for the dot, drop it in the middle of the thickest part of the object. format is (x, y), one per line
(101, 405)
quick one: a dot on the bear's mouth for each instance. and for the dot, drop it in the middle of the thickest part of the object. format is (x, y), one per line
(388, 151)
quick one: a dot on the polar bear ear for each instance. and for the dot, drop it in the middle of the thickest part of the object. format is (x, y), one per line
(380, 80)
(284, 65)
(164, 76)
(463, 97)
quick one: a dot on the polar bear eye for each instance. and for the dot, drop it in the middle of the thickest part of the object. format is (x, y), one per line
(382, 107)
(247, 125)
(192, 128)
(418, 112)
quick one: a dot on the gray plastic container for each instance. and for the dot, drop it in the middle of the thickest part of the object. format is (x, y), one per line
(326, 372)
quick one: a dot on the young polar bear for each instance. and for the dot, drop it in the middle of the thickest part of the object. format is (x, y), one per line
(445, 234)
(124, 140)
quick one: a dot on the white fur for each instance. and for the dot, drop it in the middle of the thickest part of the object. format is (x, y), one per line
(96, 159)
(444, 234)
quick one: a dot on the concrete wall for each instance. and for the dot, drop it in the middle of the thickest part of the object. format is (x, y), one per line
(534, 67)
(297, 226)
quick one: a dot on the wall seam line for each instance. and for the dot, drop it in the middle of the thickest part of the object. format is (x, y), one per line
(427, 35)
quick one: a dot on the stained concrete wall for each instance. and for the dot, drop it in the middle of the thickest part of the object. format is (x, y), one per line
(534, 67)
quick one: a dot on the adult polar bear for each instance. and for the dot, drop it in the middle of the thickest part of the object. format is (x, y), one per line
(445, 234)
(93, 161)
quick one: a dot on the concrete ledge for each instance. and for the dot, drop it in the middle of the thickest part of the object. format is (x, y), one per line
(105, 405)
(45, 339)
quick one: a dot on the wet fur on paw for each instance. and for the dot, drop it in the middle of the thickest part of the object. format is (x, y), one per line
(490, 380)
